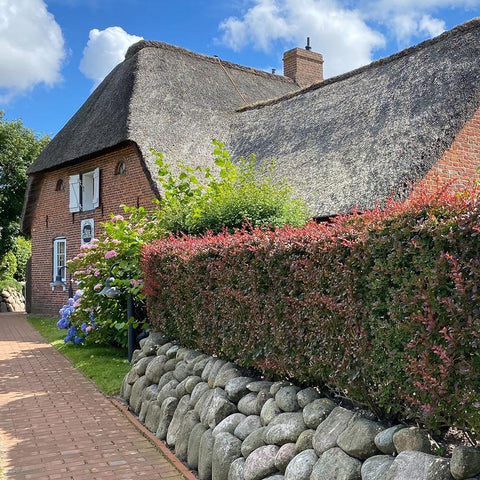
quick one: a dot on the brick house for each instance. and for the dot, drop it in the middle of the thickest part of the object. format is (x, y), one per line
(411, 118)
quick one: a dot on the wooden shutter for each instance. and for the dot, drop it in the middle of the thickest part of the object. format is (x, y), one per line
(75, 193)
(96, 188)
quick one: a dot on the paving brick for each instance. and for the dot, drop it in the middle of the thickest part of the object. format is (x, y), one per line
(54, 424)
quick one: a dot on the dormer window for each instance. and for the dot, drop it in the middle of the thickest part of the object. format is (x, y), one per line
(120, 169)
(60, 186)
(85, 191)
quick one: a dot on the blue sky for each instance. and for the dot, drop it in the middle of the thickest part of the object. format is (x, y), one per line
(54, 52)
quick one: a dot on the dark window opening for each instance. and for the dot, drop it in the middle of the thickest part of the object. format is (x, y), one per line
(120, 169)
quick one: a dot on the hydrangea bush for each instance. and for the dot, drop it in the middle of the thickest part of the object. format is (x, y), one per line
(67, 321)
(116, 250)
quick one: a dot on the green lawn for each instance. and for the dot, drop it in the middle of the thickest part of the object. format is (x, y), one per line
(105, 365)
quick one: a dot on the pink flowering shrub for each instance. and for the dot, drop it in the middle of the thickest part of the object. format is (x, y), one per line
(119, 243)
(381, 306)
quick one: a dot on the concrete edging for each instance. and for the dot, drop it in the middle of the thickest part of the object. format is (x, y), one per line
(158, 443)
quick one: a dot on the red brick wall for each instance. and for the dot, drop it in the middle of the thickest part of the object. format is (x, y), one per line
(53, 219)
(458, 164)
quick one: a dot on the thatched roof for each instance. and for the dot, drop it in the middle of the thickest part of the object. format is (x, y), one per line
(161, 97)
(350, 140)
(357, 138)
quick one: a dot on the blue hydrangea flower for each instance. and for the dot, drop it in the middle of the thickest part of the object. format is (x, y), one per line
(63, 323)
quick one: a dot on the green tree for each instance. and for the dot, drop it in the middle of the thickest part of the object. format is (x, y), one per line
(19, 146)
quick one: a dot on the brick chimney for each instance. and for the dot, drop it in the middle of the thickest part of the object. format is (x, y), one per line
(303, 66)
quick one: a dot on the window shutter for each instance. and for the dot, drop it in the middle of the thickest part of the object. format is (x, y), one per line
(75, 193)
(96, 188)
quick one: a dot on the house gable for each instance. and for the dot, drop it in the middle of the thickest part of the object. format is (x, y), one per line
(53, 219)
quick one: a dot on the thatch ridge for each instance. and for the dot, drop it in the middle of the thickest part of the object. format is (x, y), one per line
(460, 29)
(136, 47)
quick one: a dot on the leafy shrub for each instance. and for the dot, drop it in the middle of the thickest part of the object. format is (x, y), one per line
(380, 306)
(8, 266)
(243, 193)
(7, 283)
(23, 251)
(13, 265)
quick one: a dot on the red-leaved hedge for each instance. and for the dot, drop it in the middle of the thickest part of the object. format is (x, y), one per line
(382, 307)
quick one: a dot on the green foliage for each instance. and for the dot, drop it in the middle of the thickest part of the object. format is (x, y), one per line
(10, 283)
(242, 194)
(19, 146)
(8, 266)
(23, 251)
(195, 201)
(13, 265)
(382, 307)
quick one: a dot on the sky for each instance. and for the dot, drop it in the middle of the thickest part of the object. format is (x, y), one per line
(53, 53)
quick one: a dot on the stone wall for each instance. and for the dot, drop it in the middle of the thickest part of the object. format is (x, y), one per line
(227, 425)
(11, 301)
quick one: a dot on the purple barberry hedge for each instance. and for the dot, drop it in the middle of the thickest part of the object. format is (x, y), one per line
(381, 307)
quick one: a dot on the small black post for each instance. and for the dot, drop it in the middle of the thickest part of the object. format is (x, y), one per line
(131, 333)
(70, 288)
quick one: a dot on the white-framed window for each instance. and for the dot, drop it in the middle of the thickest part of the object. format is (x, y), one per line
(59, 258)
(85, 191)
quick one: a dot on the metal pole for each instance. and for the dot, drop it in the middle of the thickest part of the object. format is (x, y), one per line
(70, 288)
(131, 333)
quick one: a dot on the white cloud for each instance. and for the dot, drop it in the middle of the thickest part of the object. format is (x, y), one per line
(431, 26)
(388, 6)
(346, 32)
(32, 47)
(412, 20)
(105, 49)
(341, 35)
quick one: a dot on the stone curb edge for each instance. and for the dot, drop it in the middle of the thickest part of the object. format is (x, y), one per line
(158, 443)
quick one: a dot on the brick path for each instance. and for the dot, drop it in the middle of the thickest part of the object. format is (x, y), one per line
(54, 424)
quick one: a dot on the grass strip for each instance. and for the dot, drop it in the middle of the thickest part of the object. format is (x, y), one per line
(105, 365)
